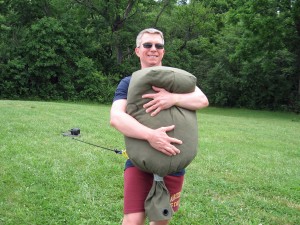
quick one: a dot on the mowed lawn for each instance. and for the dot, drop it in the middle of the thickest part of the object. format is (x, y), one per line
(247, 170)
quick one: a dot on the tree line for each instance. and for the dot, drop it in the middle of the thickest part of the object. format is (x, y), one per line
(243, 53)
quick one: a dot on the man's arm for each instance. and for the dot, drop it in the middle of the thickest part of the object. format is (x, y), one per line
(163, 99)
(130, 127)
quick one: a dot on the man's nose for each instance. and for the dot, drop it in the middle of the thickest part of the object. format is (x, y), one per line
(153, 48)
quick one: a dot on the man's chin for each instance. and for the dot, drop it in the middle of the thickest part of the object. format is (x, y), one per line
(150, 64)
(154, 64)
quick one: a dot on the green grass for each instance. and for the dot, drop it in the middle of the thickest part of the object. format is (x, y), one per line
(247, 170)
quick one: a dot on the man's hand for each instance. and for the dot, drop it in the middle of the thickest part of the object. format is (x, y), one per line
(161, 100)
(162, 142)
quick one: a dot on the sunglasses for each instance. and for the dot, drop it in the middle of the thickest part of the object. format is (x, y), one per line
(149, 45)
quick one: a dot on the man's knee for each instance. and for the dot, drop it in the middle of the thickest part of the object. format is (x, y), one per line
(134, 219)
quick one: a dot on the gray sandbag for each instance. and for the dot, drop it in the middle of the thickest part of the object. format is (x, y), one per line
(140, 152)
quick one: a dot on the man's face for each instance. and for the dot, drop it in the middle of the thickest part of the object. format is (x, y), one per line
(150, 56)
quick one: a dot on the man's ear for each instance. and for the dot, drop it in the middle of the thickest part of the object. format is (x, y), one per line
(137, 51)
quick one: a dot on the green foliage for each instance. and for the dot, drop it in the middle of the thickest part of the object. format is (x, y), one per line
(93, 85)
(54, 65)
(244, 53)
(259, 68)
(14, 84)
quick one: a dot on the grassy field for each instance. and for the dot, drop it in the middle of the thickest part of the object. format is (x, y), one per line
(247, 170)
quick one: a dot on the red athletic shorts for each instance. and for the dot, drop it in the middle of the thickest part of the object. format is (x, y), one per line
(137, 185)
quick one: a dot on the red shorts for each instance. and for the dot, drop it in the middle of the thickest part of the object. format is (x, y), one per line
(137, 185)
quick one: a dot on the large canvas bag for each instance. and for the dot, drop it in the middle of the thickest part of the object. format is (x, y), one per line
(140, 152)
